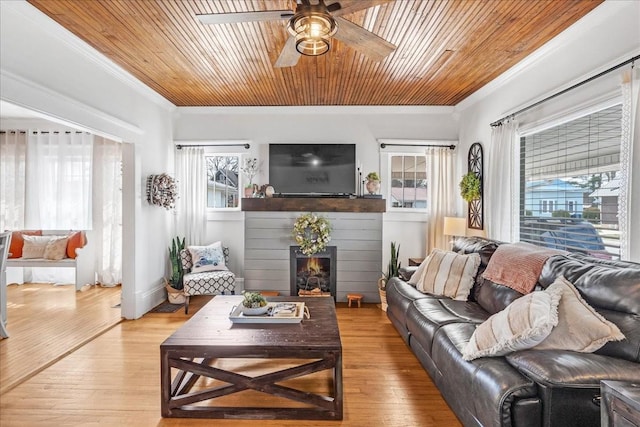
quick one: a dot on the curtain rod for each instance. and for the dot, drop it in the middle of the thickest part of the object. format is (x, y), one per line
(562, 92)
(43, 131)
(384, 145)
(179, 146)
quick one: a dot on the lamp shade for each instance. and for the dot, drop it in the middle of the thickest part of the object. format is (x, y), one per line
(454, 226)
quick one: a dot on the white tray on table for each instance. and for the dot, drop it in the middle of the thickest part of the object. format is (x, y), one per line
(278, 312)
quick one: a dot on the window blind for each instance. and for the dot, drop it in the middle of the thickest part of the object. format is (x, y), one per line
(569, 185)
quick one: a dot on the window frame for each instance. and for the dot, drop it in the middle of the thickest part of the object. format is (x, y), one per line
(388, 186)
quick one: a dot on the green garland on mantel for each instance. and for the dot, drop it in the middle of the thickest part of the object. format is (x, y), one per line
(470, 187)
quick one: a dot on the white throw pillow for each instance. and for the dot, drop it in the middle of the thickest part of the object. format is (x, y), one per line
(34, 246)
(207, 258)
(447, 273)
(56, 248)
(523, 324)
(580, 327)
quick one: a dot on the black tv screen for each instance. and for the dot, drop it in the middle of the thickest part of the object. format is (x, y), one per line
(312, 168)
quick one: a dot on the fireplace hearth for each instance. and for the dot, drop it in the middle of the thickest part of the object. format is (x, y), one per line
(313, 275)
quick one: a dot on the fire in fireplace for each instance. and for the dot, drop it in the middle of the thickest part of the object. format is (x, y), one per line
(313, 275)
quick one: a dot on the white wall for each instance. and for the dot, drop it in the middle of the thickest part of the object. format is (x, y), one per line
(606, 36)
(360, 125)
(46, 69)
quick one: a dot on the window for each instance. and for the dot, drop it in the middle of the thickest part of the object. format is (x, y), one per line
(408, 181)
(222, 181)
(569, 182)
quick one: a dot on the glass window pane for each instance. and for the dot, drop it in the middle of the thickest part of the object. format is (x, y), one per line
(408, 181)
(222, 181)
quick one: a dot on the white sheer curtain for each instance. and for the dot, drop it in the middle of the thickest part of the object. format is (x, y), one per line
(58, 176)
(107, 216)
(501, 185)
(630, 137)
(441, 193)
(192, 195)
(13, 149)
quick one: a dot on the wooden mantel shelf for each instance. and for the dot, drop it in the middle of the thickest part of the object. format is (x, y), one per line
(313, 204)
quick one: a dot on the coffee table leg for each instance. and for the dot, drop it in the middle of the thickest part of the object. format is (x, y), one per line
(165, 383)
(337, 385)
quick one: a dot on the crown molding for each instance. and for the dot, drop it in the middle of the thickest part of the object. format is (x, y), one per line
(320, 109)
(15, 88)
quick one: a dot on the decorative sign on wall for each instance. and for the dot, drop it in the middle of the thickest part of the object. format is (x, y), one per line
(162, 191)
(475, 218)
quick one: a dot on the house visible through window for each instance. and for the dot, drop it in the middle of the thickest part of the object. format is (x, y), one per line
(408, 181)
(222, 181)
(569, 182)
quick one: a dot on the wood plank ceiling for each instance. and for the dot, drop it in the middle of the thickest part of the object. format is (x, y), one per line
(446, 49)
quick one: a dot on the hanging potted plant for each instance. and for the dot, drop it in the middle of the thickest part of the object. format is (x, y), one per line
(393, 269)
(174, 284)
(470, 187)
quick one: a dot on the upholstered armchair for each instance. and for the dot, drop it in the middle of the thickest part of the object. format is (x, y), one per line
(207, 282)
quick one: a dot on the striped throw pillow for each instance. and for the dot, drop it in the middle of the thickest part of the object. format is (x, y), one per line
(523, 324)
(447, 274)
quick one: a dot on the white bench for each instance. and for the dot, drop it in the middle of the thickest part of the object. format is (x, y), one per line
(83, 263)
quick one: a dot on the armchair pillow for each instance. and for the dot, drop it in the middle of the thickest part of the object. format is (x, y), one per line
(207, 258)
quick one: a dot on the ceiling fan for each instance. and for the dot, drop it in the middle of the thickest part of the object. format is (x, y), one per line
(311, 27)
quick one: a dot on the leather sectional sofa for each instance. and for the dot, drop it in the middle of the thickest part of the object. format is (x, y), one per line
(527, 387)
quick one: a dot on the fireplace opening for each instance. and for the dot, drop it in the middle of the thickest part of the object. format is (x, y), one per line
(313, 275)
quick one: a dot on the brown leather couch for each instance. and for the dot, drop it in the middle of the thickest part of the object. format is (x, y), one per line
(529, 387)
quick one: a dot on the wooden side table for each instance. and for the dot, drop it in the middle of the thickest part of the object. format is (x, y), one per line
(620, 404)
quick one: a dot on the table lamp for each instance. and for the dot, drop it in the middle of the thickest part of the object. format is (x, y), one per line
(454, 227)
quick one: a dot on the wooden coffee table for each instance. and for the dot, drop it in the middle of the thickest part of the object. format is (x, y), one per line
(198, 369)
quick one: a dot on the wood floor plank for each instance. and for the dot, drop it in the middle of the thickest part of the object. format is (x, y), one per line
(46, 322)
(114, 380)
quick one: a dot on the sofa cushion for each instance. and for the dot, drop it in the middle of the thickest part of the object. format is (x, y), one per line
(517, 265)
(612, 285)
(493, 297)
(629, 325)
(523, 324)
(447, 273)
(580, 328)
(561, 368)
(485, 391)
(426, 315)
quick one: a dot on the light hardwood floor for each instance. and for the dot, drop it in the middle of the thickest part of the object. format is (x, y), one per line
(114, 380)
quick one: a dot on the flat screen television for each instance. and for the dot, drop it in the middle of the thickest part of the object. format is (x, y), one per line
(312, 168)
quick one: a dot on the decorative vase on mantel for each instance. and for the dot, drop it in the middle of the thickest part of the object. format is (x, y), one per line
(373, 183)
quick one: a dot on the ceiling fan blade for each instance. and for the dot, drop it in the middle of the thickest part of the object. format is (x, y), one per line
(230, 18)
(374, 47)
(350, 6)
(289, 55)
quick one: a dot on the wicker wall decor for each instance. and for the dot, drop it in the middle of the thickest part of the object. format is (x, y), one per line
(162, 191)
(475, 217)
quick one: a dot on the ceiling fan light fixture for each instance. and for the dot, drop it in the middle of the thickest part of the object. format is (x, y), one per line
(312, 31)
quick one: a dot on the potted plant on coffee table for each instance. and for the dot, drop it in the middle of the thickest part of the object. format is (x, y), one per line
(392, 271)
